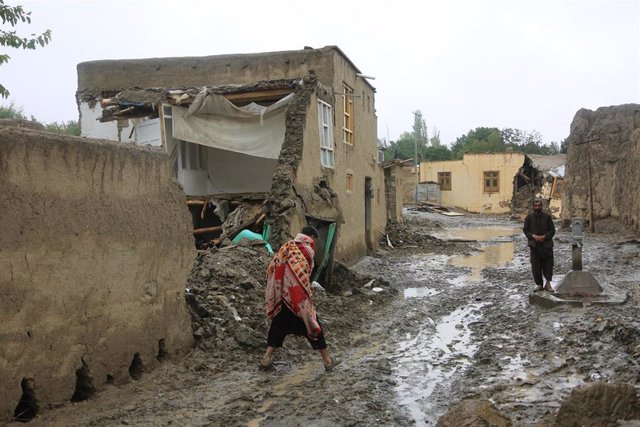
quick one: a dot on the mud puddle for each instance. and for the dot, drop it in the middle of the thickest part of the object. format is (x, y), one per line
(427, 361)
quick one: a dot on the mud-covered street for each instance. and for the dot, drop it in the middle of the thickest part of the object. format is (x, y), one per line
(448, 321)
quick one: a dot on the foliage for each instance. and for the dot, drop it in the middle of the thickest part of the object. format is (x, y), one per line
(478, 140)
(494, 140)
(70, 127)
(564, 144)
(11, 112)
(435, 139)
(12, 16)
(437, 152)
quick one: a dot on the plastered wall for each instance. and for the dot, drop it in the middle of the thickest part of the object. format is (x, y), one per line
(95, 250)
(467, 176)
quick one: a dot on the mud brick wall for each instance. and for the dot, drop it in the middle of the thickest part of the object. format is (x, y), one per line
(607, 141)
(95, 250)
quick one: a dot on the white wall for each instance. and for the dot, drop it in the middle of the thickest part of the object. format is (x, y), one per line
(90, 127)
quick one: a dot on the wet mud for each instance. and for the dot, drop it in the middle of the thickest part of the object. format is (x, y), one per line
(446, 325)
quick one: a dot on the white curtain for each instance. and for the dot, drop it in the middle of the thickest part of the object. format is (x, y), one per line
(214, 121)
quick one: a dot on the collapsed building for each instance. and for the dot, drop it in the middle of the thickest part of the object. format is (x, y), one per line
(602, 167)
(493, 183)
(267, 142)
(540, 177)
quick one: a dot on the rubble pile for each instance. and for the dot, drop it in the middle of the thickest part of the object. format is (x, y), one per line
(407, 235)
(225, 295)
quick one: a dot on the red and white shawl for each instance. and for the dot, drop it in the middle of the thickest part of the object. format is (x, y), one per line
(288, 282)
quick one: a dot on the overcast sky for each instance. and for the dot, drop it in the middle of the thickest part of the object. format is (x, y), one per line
(520, 64)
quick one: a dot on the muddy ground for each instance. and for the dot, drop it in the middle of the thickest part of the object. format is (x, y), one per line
(442, 323)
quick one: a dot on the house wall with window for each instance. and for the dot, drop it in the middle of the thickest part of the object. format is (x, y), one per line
(479, 183)
(342, 153)
(349, 162)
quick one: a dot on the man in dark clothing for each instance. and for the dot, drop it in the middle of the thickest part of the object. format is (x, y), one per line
(539, 229)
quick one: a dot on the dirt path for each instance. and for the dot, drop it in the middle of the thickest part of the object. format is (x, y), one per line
(454, 323)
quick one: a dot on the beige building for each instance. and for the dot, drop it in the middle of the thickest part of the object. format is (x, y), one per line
(479, 183)
(294, 130)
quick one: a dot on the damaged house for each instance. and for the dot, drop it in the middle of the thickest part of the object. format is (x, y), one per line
(540, 176)
(495, 183)
(267, 142)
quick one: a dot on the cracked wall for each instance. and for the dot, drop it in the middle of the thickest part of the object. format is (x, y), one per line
(95, 251)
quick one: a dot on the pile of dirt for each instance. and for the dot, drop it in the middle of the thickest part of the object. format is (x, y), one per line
(473, 412)
(415, 235)
(225, 294)
(599, 404)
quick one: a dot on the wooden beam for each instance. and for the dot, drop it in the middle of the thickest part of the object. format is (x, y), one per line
(207, 230)
(260, 95)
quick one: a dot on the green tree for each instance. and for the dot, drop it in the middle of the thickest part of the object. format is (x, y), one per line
(12, 16)
(479, 140)
(564, 145)
(435, 139)
(70, 127)
(437, 152)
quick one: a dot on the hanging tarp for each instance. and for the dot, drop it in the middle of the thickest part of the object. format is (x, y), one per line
(214, 121)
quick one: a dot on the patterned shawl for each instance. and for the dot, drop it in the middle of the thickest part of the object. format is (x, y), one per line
(288, 282)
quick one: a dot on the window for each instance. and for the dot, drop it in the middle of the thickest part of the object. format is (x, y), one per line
(193, 156)
(444, 179)
(349, 182)
(491, 182)
(347, 107)
(380, 156)
(325, 119)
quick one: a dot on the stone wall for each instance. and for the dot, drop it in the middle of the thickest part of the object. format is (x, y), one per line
(95, 250)
(606, 141)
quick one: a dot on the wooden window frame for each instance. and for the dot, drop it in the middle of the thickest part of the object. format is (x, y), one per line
(348, 134)
(444, 179)
(494, 185)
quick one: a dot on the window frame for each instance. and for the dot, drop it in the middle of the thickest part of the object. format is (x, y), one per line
(493, 187)
(348, 117)
(191, 153)
(444, 179)
(325, 127)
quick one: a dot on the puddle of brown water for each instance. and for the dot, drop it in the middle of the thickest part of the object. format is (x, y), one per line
(492, 256)
(481, 234)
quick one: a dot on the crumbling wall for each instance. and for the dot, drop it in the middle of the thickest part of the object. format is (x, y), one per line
(605, 142)
(95, 251)
(285, 207)
(97, 78)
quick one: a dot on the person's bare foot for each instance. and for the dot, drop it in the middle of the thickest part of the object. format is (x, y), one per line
(266, 364)
(548, 287)
(538, 288)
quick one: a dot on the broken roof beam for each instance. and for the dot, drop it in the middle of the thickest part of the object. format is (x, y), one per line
(259, 96)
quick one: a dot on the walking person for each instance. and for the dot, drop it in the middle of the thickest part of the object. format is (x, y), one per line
(539, 229)
(288, 299)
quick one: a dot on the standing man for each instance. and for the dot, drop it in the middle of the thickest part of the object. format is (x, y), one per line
(288, 298)
(539, 229)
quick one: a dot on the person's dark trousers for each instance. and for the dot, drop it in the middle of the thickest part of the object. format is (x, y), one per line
(287, 323)
(541, 264)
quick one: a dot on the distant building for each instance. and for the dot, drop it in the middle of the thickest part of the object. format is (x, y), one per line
(496, 183)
